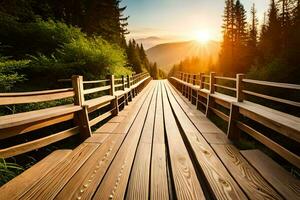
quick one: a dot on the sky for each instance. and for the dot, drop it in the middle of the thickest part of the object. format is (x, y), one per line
(180, 19)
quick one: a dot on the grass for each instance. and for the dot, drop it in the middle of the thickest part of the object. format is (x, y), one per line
(8, 171)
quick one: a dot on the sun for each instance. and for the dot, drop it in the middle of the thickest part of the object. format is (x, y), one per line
(202, 36)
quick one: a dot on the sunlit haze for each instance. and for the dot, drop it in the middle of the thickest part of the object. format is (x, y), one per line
(176, 20)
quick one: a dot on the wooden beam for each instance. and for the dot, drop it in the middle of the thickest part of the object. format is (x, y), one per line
(233, 132)
(240, 87)
(81, 116)
(212, 83)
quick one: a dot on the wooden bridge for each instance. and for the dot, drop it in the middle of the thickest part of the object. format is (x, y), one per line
(155, 142)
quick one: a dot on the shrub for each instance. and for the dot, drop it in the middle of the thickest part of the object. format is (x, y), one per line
(8, 171)
(8, 75)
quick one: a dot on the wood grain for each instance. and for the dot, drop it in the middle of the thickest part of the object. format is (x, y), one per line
(159, 182)
(248, 178)
(25, 128)
(36, 144)
(218, 178)
(50, 185)
(114, 183)
(86, 180)
(138, 185)
(185, 179)
(287, 185)
(18, 186)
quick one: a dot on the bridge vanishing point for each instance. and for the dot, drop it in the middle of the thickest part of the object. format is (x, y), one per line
(155, 142)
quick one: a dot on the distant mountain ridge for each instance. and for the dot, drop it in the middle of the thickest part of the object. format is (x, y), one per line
(168, 54)
(151, 41)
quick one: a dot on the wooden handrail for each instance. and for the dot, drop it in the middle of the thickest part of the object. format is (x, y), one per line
(273, 84)
(21, 123)
(285, 124)
(97, 81)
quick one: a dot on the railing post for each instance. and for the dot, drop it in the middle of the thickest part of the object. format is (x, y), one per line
(187, 87)
(194, 79)
(240, 87)
(201, 81)
(115, 105)
(212, 83)
(124, 86)
(128, 81)
(233, 132)
(81, 117)
(123, 82)
(181, 76)
(129, 96)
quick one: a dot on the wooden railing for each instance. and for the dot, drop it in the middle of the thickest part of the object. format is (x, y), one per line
(237, 101)
(81, 113)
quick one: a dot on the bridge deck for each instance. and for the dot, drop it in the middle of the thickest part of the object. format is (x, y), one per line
(159, 147)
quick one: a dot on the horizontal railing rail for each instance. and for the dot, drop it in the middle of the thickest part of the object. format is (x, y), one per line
(229, 98)
(85, 111)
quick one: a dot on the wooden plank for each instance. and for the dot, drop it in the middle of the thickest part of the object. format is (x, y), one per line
(17, 94)
(117, 119)
(220, 114)
(97, 138)
(100, 118)
(36, 115)
(219, 181)
(18, 186)
(132, 113)
(216, 138)
(100, 102)
(25, 128)
(114, 183)
(185, 179)
(283, 123)
(86, 180)
(108, 127)
(248, 178)
(98, 89)
(138, 185)
(283, 152)
(159, 182)
(35, 98)
(287, 185)
(51, 184)
(273, 84)
(36, 144)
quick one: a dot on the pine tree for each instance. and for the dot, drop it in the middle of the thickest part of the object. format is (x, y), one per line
(105, 18)
(133, 56)
(240, 21)
(252, 37)
(268, 46)
(253, 28)
(227, 50)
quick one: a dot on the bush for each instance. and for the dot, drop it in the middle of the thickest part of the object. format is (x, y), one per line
(277, 71)
(56, 51)
(44, 37)
(8, 75)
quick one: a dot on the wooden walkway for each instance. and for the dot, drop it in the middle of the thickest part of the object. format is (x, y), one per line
(158, 147)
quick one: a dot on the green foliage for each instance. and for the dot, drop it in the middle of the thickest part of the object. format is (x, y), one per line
(44, 37)
(56, 51)
(277, 71)
(8, 171)
(8, 75)
(96, 55)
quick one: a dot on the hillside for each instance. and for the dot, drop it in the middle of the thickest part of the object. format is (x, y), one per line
(168, 54)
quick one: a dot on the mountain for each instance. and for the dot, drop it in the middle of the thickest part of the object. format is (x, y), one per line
(149, 42)
(168, 54)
